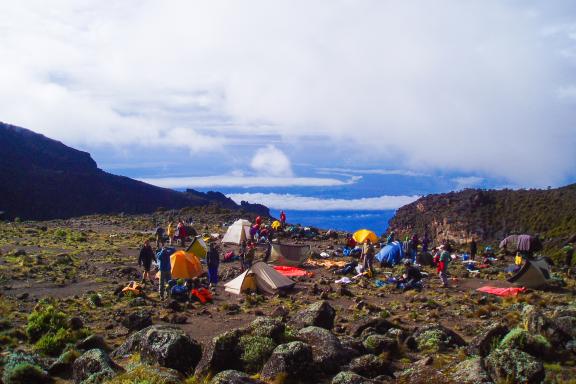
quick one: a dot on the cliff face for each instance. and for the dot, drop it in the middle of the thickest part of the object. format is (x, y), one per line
(41, 178)
(491, 215)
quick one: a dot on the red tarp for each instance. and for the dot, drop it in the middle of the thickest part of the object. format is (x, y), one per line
(290, 271)
(501, 291)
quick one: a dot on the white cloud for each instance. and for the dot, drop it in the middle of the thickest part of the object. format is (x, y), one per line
(467, 181)
(304, 203)
(246, 181)
(450, 85)
(271, 161)
(399, 172)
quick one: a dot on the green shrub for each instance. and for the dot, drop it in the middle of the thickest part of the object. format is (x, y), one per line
(52, 344)
(255, 351)
(20, 368)
(45, 320)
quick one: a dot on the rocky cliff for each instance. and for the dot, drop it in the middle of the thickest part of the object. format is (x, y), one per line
(490, 215)
(41, 178)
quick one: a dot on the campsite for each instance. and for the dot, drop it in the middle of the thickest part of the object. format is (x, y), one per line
(483, 328)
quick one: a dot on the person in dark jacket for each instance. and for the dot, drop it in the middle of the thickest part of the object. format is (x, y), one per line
(145, 260)
(411, 278)
(213, 262)
(473, 249)
(163, 257)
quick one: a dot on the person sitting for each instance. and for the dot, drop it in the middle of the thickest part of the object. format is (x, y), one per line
(411, 278)
(200, 294)
(179, 292)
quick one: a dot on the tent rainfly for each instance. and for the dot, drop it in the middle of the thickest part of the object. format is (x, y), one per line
(391, 254)
(260, 276)
(237, 232)
(184, 265)
(198, 247)
(533, 274)
(289, 254)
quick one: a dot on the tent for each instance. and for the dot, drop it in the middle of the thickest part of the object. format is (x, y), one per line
(198, 247)
(185, 265)
(276, 225)
(260, 276)
(237, 232)
(364, 234)
(533, 274)
(391, 254)
(289, 254)
(521, 243)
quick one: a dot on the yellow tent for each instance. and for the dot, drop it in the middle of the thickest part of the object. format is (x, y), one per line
(198, 247)
(364, 234)
(275, 225)
(185, 265)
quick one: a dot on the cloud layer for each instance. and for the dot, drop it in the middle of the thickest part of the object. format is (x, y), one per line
(304, 203)
(484, 87)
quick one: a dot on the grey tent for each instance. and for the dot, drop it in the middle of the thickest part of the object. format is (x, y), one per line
(289, 254)
(533, 274)
(259, 277)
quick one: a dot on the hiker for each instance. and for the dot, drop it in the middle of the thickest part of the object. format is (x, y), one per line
(282, 219)
(569, 252)
(425, 243)
(179, 291)
(411, 278)
(213, 262)
(249, 256)
(350, 242)
(407, 247)
(145, 260)
(170, 232)
(443, 262)
(473, 249)
(268, 252)
(242, 254)
(390, 238)
(182, 233)
(164, 268)
(368, 253)
(414, 247)
(159, 233)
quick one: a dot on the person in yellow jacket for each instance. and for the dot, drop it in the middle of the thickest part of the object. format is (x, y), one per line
(170, 231)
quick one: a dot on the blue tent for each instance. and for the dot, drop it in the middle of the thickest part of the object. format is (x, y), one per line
(391, 254)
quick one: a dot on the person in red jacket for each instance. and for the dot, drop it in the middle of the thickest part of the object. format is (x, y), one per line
(182, 233)
(282, 218)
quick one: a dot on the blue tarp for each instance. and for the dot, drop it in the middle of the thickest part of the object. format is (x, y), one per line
(391, 254)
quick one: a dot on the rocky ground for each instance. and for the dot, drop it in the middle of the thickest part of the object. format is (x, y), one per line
(63, 320)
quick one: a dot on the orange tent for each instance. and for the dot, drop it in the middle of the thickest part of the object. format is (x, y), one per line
(185, 265)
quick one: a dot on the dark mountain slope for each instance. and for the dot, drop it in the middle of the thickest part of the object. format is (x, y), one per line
(41, 178)
(490, 215)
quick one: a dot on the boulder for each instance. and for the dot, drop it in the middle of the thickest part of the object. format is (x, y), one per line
(352, 346)
(165, 345)
(267, 327)
(289, 361)
(370, 366)
(94, 366)
(422, 375)
(137, 321)
(538, 324)
(75, 323)
(222, 353)
(437, 338)
(471, 371)
(483, 343)
(514, 366)
(92, 342)
(347, 377)
(63, 365)
(319, 314)
(327, 352)
(380, 325)
(522, 340)
(377, 344)
(233, 377)
(255, 352)
(567, 324)
(21, 368)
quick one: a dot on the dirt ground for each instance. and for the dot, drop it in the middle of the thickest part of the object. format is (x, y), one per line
(72, 260)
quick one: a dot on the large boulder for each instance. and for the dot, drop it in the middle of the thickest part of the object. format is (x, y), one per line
(471, 371)
(164, 345)
(223, 353)
(21, 368)
(538, 324)
(136, 321)
(520, 339)
(379, 325)
(514, 366)
(94, 366)
(348, 377)
(567, 324)
(289, 361)
(267, 327)
(437, 338)
(352, 346)
(319, 314)
(370, 366)
(93, 342)
(377, 344)
(233, 377)
(327, 352)
(63, 365)
(255, 352)
(483, 343)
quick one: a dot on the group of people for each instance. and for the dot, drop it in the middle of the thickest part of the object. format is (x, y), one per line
(174, 233)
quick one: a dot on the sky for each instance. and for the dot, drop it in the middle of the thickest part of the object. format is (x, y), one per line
(259, 97)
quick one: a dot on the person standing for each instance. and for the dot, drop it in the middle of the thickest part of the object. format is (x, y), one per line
(170, 232)
(425, 243)
(182, 233)
(473, 249)
(163, 257)
(268, 252)
(249, 257)
(390, 238)
(213, 262)
(159, 233)
(282, 219)
(368, 257)
(569, 252)
(414, 247)
(443, 263)
(145, 260)
(242, 253)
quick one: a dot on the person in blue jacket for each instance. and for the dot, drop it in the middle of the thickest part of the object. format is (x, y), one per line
(163, 257)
